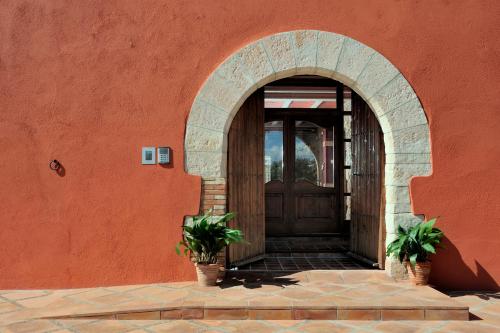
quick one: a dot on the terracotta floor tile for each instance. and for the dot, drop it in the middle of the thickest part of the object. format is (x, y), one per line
(149, 315)
(270, 314)
(358, 314)
(32, 326)
(308, 314)
(155, 293)
(176, 326)
(323, 327)
(104, 326)
(446, 315)
(67, 292)
(178, 285)
(301, 294)
(406, 314)
(8, 307)
(69, 323)
(251, 326)
(270, 302)
(171, 314)
(331, 276)
(23, 294)
(228, 314)
(90, 294)
(38, 302)
(112, 299)
(192, 313)
(493, 308)
(466, 327)
(401, 327)
(226, 303)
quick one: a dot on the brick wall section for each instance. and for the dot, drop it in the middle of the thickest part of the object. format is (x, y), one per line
(213, 196)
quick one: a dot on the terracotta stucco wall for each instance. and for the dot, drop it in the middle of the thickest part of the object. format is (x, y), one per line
(89, 83)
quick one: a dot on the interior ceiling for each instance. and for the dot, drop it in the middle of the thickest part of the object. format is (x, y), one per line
(310, 92)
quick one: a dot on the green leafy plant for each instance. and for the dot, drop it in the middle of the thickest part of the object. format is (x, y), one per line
(416, 243)
(207, 236)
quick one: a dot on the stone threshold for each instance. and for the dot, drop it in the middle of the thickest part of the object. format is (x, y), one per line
(263, 312)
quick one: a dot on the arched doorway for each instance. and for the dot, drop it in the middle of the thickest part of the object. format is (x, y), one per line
(293, 178)
(310, 52)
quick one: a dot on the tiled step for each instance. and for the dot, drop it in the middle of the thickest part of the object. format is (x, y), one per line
(315, 295)
(306, 244)
(263, 312)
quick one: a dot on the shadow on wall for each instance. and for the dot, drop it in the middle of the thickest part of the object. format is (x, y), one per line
(449, 271)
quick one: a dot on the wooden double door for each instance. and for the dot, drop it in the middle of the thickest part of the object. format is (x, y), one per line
(285, 176)
(302, 172)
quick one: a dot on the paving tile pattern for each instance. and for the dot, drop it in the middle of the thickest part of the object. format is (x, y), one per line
(319, 296)
(20, 309)
(305, 261)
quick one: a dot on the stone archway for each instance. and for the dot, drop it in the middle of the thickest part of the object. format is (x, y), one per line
(312, 52)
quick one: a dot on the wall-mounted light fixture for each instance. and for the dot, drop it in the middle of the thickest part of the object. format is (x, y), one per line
(55, 165)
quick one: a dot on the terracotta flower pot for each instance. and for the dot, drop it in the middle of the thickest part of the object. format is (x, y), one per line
(207, 274)
(419, 274)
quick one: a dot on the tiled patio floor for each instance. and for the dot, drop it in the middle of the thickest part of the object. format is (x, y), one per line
(19, 309)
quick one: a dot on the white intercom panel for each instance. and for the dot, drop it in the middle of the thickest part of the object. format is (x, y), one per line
(148, 155)
(164, 155)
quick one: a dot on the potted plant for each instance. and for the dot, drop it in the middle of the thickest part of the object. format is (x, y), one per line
(413, 247)
(203, 239)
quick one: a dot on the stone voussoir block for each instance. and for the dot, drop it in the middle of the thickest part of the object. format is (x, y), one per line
(413, 140)
(397, 194)
(394, 94)
(208, 164)
(202, 139)
(281, 53)
(256, 64)
(219, 92)
(305, 43)
(353, 59)
(400, 174)
(407, 115)
(329, 47)
(408, 158)
(398, 207)
(405, 220)
(205, 115)
(233, 71)
(375, 75)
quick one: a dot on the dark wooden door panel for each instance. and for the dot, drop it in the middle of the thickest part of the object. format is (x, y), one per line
(307, 200)
(319, 207)
(367, 173)
(274, 206)
(310, 187)
(246, 178)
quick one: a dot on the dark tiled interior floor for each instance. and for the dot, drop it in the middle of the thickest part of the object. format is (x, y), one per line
(307, 244)
(304, 263)
(305, 253)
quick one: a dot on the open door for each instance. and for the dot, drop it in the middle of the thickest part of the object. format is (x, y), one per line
(245, 185)
(367, 225)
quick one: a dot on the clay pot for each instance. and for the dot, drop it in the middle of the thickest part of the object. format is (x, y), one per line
(207, 274)
(419, 274)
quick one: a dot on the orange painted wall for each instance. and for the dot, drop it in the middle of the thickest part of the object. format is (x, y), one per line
(90, 82)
